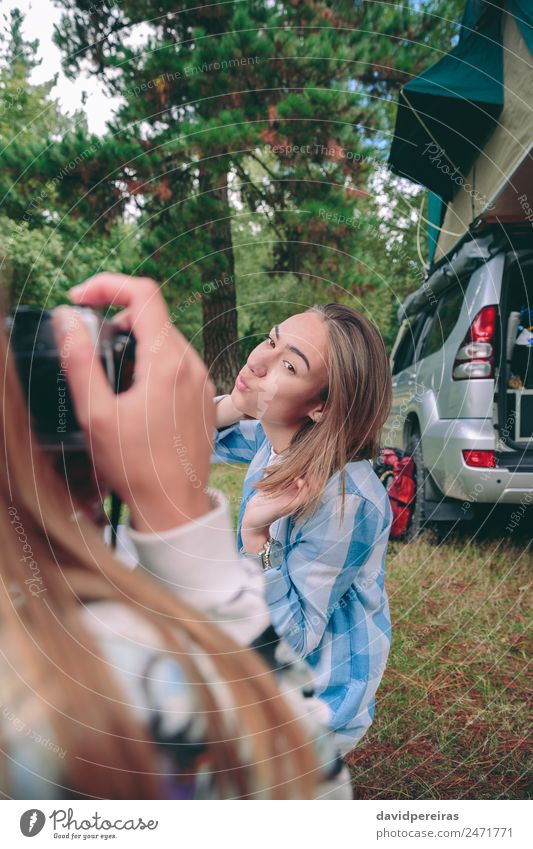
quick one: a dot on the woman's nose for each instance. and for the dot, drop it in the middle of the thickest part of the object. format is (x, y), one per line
(256, 366)
(258, 369)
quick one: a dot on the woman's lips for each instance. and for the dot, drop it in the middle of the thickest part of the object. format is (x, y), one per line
(241, 384)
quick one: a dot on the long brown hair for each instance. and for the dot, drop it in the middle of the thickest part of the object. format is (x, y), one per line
(109, 752)
(357, 403)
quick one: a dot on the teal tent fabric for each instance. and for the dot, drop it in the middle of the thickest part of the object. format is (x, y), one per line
(435, 215)
(523, 14)
(446, 114)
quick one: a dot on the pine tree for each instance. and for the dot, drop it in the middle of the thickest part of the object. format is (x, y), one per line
(281, 106)
(59, 216)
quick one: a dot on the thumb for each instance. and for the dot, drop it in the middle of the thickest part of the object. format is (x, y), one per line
(298, 492)
(87, 382)
(304, 490)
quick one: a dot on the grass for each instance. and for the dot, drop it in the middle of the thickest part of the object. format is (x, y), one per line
(451, 719)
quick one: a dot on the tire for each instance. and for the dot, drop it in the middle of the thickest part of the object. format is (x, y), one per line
(417, 523)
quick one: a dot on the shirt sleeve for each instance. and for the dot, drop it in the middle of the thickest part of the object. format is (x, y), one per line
(199, 563)
(317, 571)
(237, 443)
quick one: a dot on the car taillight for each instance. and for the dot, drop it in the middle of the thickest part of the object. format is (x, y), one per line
(475, 357)
(480, 459)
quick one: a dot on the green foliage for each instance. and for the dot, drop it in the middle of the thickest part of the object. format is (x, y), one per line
(41, 263)
(247, 148)
(60, 220)
(288, 104)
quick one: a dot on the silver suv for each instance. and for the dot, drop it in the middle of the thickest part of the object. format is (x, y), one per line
(463, 386)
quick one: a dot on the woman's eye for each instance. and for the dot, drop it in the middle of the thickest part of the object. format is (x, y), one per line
(286, 363)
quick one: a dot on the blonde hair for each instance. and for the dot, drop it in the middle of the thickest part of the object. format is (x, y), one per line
(357, 403)
(110, 754)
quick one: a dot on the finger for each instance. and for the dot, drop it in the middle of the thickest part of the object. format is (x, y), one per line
(88, 385)
(303, 486)
(110, 288)
(122, 320)
(149, 318)
(303, 492)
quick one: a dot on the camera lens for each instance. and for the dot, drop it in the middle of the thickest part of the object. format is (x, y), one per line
(42, 369)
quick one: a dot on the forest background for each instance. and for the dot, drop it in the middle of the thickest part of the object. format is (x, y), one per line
(244, 168)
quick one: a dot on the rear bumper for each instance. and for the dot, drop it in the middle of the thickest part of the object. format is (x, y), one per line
(443, 443)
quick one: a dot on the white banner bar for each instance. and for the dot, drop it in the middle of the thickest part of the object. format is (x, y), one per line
(306, 825)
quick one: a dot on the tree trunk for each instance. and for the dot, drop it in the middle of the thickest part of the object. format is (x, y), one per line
(219, 301)
(8, 293)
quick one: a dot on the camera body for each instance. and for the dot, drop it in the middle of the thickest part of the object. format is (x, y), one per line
(42, 369)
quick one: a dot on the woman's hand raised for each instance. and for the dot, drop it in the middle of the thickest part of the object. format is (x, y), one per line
(263, 509)
(151, 444)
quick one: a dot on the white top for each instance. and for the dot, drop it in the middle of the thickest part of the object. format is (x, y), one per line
(198, 562)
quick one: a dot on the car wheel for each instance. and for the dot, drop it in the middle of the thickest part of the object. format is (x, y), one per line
(417, 523)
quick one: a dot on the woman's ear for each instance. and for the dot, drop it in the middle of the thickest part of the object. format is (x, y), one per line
(317, 413)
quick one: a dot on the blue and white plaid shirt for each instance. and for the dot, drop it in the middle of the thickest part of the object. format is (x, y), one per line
(327, 599)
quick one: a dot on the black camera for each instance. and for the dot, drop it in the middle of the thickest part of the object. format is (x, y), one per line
(42, 369)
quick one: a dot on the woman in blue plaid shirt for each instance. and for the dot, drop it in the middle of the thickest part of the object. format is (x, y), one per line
(306, 413)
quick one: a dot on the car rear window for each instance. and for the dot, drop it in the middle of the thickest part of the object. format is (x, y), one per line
(444, 321)
(406, 350)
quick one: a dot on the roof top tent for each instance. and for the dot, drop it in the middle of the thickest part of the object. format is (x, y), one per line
(464, 127)
(464, 130)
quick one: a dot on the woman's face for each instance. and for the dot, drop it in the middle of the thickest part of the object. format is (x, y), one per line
(283, 376)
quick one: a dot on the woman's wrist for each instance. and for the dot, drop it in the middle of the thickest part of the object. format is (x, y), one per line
(151, 515)
(226, 413)
(254, 541)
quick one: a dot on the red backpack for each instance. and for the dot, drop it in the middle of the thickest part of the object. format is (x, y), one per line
(396, 471)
